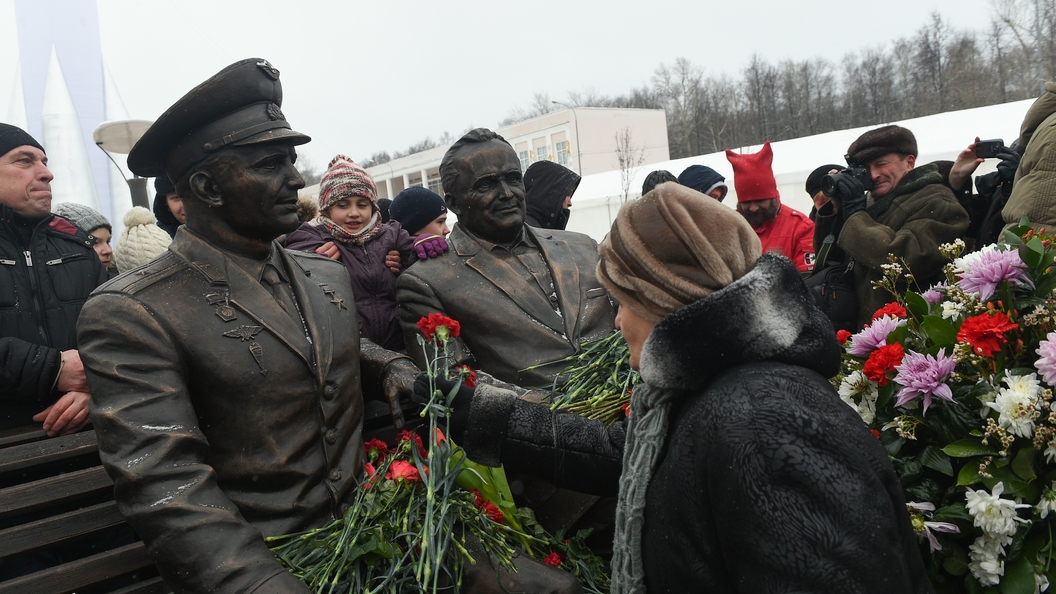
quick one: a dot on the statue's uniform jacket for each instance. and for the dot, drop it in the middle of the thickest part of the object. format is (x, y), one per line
(501, 317)
(206, 450)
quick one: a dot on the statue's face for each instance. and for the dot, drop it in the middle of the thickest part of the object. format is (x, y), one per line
(490, 192)
(258, 186)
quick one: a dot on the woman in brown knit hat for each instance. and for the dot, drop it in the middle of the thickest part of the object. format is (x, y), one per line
(739, 469)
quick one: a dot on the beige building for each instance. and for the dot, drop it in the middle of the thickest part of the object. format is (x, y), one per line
(582, 139)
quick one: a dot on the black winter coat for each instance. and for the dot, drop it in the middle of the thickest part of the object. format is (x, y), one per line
(42, 289)
(768, 482)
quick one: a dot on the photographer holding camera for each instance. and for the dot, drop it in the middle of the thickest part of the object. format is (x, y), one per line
(908, 212)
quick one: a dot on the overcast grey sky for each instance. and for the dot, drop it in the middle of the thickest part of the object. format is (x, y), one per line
(362, 77)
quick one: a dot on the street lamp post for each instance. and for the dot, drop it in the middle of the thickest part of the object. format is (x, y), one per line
(579, 153)
(119, 137)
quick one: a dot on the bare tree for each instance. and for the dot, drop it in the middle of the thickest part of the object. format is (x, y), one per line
(629, 158)
(310, 172)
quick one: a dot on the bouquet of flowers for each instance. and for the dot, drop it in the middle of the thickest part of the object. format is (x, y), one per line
(956, 383)
(419, 502)
(597, 383)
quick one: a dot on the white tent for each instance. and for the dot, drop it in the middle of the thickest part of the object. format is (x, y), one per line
(940, 136)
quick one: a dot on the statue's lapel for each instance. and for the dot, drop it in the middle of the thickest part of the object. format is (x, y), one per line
(566, 279)
(510, 282)
(321, 307)
(251, 297)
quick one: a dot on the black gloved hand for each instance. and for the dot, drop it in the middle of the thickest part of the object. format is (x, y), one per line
(851, 194)
(1009, 163)
(458, 414)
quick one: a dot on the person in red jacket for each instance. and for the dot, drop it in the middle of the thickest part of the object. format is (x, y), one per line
(781, 229)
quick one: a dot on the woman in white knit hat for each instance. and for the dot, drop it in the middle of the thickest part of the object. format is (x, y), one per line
(141, 241)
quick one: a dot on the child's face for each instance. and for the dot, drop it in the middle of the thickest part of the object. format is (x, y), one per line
(437, 227)
(351, 213)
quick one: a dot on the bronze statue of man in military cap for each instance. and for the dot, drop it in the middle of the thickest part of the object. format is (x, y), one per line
(226, 374)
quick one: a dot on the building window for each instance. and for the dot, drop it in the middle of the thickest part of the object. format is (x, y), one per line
(436, 185)
(540, 153)
(564, 152)
(524, 156)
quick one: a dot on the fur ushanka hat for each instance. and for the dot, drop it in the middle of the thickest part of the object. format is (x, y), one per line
(882, 141)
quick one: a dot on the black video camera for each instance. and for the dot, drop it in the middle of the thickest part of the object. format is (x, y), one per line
(858, 172)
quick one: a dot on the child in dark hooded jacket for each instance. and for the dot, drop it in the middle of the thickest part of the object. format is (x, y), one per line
(349, 229)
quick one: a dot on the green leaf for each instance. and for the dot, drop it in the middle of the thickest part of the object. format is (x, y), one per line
(957, 563)
(969, 475)
(1013, 238)
(917, 305)
(966, 448)
(1019, 577)
(1032, 252)
(935, 459)
(939, 330)
(884, 395)
(1023, 464)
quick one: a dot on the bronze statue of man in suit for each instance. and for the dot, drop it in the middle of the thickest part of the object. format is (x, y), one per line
(524, 297)
(226, 374)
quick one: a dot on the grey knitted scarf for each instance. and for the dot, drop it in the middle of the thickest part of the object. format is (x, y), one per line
(646, 432)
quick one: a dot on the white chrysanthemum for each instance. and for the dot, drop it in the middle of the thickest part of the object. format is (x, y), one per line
(996, 516)
(986, 564)
(860, 394)
(1041, 583)
(1047, 502)
(951, 310)
(1016, 403)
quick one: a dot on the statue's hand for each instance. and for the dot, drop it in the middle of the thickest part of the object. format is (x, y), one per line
(397, 379)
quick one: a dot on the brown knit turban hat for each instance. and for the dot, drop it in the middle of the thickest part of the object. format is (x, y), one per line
(672, 247)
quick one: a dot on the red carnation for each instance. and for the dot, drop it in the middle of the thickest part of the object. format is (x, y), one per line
(490, 509)
(882, 360)
(875, 433)
(552, 559)
(406, 435)
(402, 470)
(375, 449)
(438, 327)
(892, 309)
(369, 469)
(469, 377)
(986, 332)
(626, 408)
(842, 336)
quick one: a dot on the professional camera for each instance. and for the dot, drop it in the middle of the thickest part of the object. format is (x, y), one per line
(828, 183)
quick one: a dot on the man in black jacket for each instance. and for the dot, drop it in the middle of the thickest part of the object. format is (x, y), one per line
(47, 270)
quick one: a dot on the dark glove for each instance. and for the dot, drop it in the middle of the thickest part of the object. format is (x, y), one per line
(458, 408)
(430, 247)
(851, 195)
(1009, 163)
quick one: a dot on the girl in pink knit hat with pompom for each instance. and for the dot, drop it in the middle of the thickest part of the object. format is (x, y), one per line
(349, 229)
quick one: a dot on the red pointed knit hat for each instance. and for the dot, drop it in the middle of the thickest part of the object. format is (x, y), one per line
(753, 176)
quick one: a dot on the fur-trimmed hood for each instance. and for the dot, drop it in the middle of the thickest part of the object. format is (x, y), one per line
(768, 314)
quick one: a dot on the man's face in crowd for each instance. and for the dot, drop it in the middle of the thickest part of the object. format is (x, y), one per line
(176, 207)
(25, 181)
(757, 212)
(888, 170)
(258, 185)
(490, 191)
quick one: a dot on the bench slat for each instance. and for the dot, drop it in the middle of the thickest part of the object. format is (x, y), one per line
(49, 531)
(52, 491)
(68, 577)
(19, 435)
(152, 586)
(49, 450)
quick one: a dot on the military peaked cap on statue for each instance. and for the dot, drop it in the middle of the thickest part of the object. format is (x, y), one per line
(237, 106)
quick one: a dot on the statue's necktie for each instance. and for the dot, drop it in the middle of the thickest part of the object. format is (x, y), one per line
(280, 290)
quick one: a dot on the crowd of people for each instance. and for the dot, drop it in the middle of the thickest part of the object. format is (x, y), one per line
(227, 350)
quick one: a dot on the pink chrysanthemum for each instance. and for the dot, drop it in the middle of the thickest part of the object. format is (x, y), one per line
(924, 376)
(933, 295)
(873, 336)
(981, 272)
(1046, 363)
